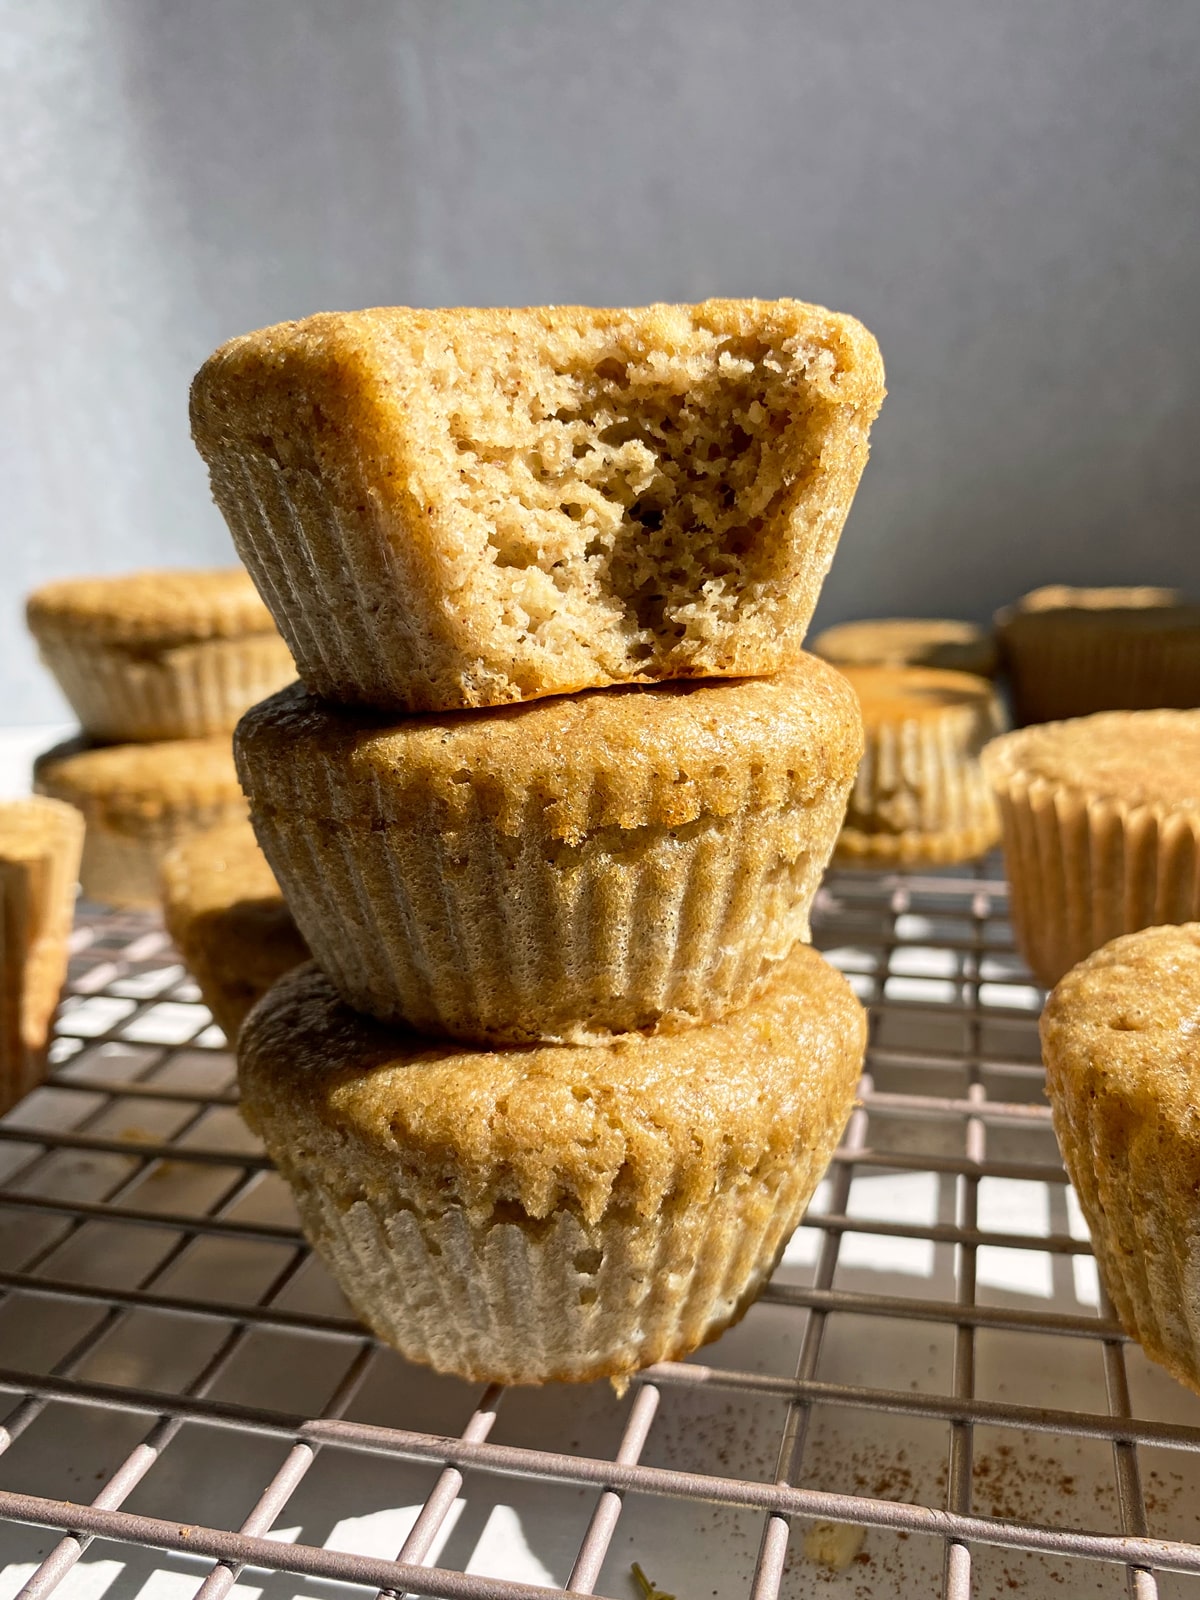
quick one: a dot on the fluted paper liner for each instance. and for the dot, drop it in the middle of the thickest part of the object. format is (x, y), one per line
(920, 793)
(1083, 869)
(184, 692)
(482, 934)
(1078, 669)
(526, 1302)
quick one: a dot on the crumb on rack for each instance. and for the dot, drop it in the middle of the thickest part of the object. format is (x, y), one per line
(834, 1544)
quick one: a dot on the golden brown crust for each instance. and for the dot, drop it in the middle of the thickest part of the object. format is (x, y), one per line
(909, 642)
(623, 758)
(920, 793)
(472, 507)
(132, 785)
(224, 911)
(1072, 652)
(1120, 1037)
(156, 610)
(1138, 758)
(636, 1123)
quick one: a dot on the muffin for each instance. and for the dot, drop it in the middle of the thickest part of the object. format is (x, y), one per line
(560, 871)
(449, 509)
(909, 642)
(159, 655)
(1101, 820)
(1121, 1038)
(228, 919)
(1070, 652)
(563, 1212)
(138, 802)
(40, 842)
(920, 794)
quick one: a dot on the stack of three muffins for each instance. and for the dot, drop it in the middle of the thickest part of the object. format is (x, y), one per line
(564, 1071)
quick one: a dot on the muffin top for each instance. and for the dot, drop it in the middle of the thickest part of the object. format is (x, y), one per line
(138, 782)
(909, 641)
(34, 827)
(151, 608)
(624, 757)
(1127, 610)
(902, 694)
(648, 1120)
(1139, 758)
(1124, 1025)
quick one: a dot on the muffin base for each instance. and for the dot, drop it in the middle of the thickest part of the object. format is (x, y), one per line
(1083, 870)
(486, 1301)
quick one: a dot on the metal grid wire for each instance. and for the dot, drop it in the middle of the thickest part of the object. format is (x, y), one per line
(185, 1397)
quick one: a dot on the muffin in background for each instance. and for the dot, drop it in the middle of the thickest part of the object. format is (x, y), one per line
(555, 1213)
(1101, 820)
(470, 507)
(40, 845)
(1121, 1040)
(920, 794)
(159, 655)
(909, 642)
(565, 870)
(1071, 652)
(139, 801)
(223, 909)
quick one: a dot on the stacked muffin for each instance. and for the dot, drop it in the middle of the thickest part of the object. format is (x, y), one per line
(158, 666)
(564, 1072)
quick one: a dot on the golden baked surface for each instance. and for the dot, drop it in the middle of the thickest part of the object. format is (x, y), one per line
(908, 642)
(1121, 1040)
(138, 781)
(151, 609)
(633, 1124)
(888, 694)
(224, 911)
(618, 757)
(1125, 1023)
(472, 507)
(1141, 758)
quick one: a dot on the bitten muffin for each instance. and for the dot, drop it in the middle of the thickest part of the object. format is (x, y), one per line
(567, 1212)
(228, 919)
(40, 844)
(447, 509)
(138, 802)
(1101, 820)
(909, 642)
(1070, 652)
(159, 655)
(920, 793)
(1121, 1038)
(565, 870)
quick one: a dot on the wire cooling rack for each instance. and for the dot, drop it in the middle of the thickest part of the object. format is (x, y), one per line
(187, 1407)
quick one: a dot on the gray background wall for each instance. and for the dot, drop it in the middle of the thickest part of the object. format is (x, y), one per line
(1006, 191)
